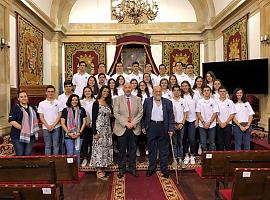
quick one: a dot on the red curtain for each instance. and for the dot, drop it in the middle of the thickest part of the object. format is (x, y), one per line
(132, 38)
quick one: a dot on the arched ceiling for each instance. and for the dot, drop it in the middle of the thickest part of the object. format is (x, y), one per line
(202, 11)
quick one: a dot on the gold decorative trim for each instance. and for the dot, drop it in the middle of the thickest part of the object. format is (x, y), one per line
(169, 188)
(118, 188)
(143, 166)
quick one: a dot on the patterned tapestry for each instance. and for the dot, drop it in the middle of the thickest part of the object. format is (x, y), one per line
(235, 41)
(91, 53)
(185, 52)
(30, 52)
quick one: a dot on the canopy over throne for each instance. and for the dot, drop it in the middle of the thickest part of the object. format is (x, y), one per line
(132, 47)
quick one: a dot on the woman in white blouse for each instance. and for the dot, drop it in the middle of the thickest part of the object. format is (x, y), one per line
(242, 119)
(134, 85)
(87, 103)
(112, 86)
(120, 81)
(148, 81)
(191, 123)
(164, 84)
(198, 85)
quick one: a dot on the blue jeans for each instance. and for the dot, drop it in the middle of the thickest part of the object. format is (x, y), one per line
(178, 143)
(240, 136)
(21, 148)
(51, 138)
(70, 145)
(211, 138)
(189, 137)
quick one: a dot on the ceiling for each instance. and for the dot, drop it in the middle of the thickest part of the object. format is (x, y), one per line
(99, 11)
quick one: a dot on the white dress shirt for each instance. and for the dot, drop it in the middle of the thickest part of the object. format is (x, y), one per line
(157, 111)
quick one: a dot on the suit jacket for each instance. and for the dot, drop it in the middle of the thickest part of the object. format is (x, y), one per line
(121, 114)
(168, 116)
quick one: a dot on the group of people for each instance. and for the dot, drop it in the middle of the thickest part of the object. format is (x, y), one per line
(195, 112)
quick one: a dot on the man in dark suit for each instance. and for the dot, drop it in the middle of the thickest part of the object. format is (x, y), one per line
(158, 124)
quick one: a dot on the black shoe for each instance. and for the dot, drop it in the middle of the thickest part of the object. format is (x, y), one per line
(166, 175)
(120, 175)
(133, 173)
(149, 173)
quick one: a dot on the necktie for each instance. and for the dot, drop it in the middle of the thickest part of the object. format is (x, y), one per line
(129, 109)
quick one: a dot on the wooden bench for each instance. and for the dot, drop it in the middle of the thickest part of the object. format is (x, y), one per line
(66, 167)
(248, 184)
(220, 165)
(215, 163)
(31, 169)
(28, 192)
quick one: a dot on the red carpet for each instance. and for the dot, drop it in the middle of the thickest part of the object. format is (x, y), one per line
(140, 188)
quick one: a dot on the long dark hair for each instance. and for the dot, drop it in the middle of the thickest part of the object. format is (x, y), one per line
(195, 86)
(234, 97)
(164, 79)
(95, 91)
(170, 85)
(136, 82)
(92, 94)
(150, 81)
(139, 94)
(70, 99)
(108, 98)
(212, 75)
(115, 92)
(117, 80)
(190, 91)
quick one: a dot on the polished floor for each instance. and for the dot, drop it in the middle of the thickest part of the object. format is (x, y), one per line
(191, 186)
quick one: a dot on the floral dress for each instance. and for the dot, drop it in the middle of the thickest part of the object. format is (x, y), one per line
(102, 149)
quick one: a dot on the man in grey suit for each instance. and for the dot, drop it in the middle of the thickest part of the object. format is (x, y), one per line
(158, 124)
(128, 113)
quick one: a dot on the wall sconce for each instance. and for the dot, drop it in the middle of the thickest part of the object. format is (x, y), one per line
(265, 39)
(4, 44)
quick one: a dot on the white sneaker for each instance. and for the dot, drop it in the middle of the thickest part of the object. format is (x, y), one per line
(138, 152)
(200, 150)
(192, 160)
(180, 161)
(186, 160)
(84, 162)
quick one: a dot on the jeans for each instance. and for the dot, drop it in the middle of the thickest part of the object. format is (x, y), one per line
(51, 138)
(70, 145)
(178, 143)
(21, 148)
(211, 138)
(240, 136)
(224, 137)
(189, 137)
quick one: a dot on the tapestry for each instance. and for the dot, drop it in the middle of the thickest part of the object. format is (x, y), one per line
(185, 52)
(90, 52)
(235, 41)
(30, 52)
(130, 55)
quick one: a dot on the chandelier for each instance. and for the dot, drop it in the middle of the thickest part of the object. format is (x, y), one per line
(135, 10)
